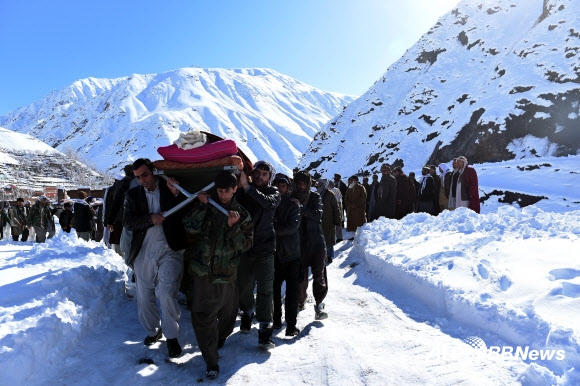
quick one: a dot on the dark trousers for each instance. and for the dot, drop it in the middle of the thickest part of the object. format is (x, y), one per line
(214, 308)
(16, 235)
(261, 271)
(289, 272)
(426, 206)
(317, 263)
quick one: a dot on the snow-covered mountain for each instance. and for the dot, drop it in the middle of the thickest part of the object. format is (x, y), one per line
(30, 164)
(114, 121)
(492, 80)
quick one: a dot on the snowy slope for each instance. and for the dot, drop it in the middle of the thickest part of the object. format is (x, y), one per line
(20, 143)
(28, 163)
(114, 121)
(492, 80)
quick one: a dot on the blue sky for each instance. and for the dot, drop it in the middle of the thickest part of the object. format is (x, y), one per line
(335, 45)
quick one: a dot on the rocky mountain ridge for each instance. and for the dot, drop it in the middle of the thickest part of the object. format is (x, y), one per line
(492, 80)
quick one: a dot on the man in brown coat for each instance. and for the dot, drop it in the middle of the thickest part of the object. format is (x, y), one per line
(356, 202)
(406, 194)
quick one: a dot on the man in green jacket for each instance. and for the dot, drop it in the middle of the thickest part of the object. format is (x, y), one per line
(213, 263)
(40, 218)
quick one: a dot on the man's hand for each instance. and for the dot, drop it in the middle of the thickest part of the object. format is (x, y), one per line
(233, 217)
(171, 182)
(203, 197)
(110, 227)
(244, 180)
(157, 218)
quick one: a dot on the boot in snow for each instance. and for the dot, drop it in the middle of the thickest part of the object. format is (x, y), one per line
(265, 341)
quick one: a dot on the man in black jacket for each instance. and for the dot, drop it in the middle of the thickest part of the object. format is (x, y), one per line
(426, 191)
(385, 196)
(312, 245)
(120, 237)
(65, 217)
(287, 263)
(83, 214)
(156, 253)
(257, 265)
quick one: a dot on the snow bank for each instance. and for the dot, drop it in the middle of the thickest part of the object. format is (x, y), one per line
(67, 290)
(511, 277)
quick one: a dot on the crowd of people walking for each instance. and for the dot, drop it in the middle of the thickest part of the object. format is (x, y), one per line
(278, 229)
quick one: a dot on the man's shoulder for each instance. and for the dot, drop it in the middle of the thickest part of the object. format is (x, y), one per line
(269, 189)
(134, 190)
(313, 198)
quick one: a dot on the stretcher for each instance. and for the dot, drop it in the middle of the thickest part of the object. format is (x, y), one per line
(195, 177)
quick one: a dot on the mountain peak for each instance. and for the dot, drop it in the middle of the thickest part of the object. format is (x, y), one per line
(111, 122)
(487, 81)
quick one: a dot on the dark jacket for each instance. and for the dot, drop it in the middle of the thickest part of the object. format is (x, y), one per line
(39, 216)
(385, 197)
(437, 187)
(136, 218)
(17, 216)
(217, 253)
(115, 210)
(311, 236)
(286, 225)
(108, 202)
(330, 216)
(83, 214)
(406, 196)
(65, 220)
(261, 204)
(427, 192)
(4, 218)
(447, 183)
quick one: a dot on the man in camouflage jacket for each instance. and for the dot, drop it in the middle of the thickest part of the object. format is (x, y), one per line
(40, 217)
(17, 216)
(213, 263)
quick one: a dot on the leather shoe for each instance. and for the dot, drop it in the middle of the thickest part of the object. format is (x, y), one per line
(173, 348)
(149, 340)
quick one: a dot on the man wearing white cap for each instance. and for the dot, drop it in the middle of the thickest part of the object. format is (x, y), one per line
(464, 191)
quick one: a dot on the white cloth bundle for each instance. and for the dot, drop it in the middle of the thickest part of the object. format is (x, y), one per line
(191, 140)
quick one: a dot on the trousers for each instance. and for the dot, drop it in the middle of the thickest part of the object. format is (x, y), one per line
(258, 270)
(158, 277)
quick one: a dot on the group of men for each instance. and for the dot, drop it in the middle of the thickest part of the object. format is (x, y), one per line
(37, 221)
(272, 233)
(26, 219)
(397, 194)
(276, 229)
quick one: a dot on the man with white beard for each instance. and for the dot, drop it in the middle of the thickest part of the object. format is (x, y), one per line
(464, 186)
